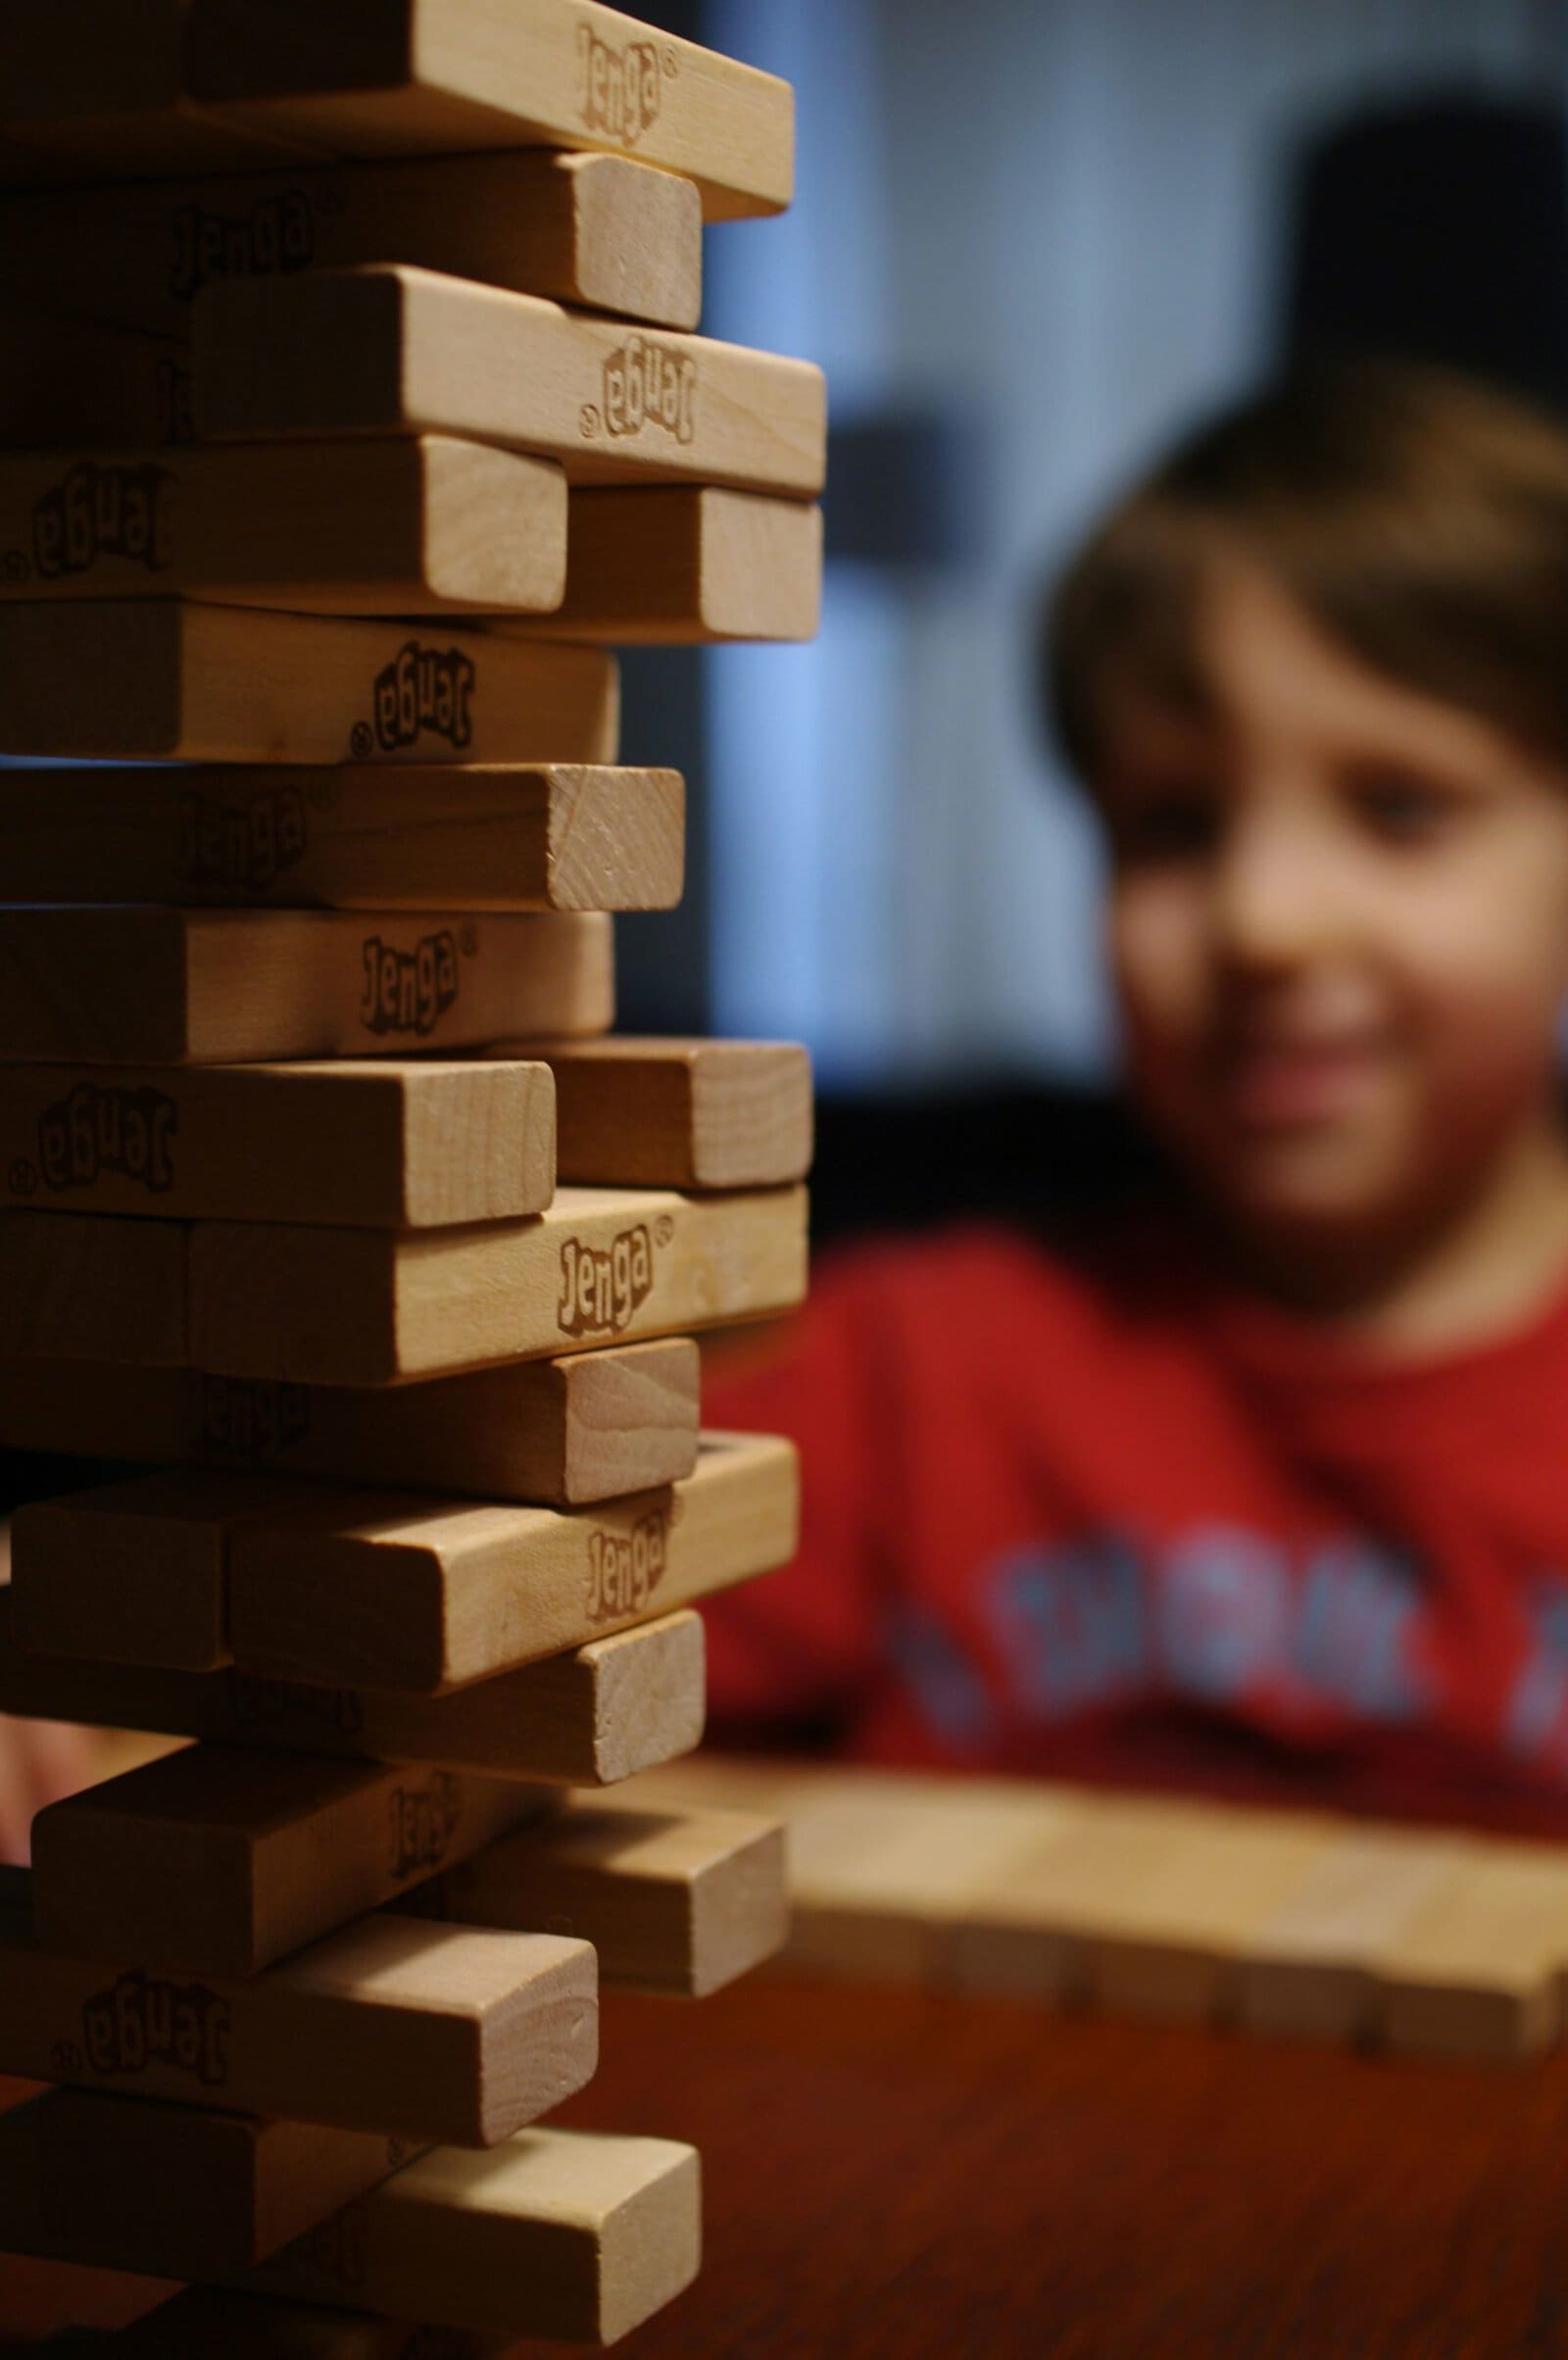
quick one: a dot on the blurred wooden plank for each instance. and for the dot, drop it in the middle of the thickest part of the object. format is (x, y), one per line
(396, 1594)
(80, 383)
(211, 986)
(682, 564)
(409, 77)
(553, 1433)
(163, 680)
(390, 1144)
(220, 1861)
(1477, 1971)
(678, 1113)
(340, 1306)
(344, 836)
(93, 1288)
(387, 350)
(598, 231)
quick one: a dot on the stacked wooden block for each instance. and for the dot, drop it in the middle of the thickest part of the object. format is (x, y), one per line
(326, 483)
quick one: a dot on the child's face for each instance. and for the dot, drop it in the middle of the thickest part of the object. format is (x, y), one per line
(1338, 921)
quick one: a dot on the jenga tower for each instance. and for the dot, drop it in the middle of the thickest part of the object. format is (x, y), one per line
(327, 484)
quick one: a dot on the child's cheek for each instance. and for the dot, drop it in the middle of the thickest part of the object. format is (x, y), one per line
(1157, 937)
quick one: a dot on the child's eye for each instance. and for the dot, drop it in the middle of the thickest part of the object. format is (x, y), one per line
(1406, 811)
(1181, 825)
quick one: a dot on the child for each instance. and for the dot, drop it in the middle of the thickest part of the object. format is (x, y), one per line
(1265, 1479)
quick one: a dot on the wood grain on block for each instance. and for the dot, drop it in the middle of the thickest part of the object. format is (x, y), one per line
(207, 2320)
(590, 1717)
(96, 1288)
(424, 526)
(213, 987)
(100, 86)
(413, 78)
(1307, 1972)
(166, 680)
(394, 1144)
(575, 2235)
(346, 836)
(219, 1861)
(682, 564)
(344, 1307)
(388, 350)
(597, 231)
(136, 1572)
(673, 1901)
(555, 1433)
(1478, 1970)
(678, 1113)
(403, 1595)
(437, 2032)
(79, 384)
(130, 2183)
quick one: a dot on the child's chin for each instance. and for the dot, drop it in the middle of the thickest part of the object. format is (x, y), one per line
(1325, 1184)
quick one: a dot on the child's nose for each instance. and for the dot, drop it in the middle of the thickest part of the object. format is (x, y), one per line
(1274, 900)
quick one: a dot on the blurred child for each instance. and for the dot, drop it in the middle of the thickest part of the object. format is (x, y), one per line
(1266, 1474)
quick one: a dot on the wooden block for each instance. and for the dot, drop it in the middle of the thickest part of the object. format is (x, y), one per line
(218, 1861)
(75, 381)
(436, 2031)
(388, 350)
(678, 564)
(472, 837)
(399, 1143)
(96, 1288)
(397, 1595)
(555, 1433)
(676, 1902)
(409, 77)
(1477, 1971)
(590, 1717)
(576, 2235)
(204, 2320)
(129, 2183)
(1306, 1973)
(100, 84)
(138, 1572)
(596, 231)
(161, 680)
(342, 1307)
(424, 526)
(214, 987)
(651, 1113)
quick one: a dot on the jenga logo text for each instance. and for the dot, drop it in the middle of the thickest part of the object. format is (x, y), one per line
(649, 384)
(243, 847)
(624, 1569)
(140, 2021)
(425, 1820)
(99, 1131)
(244, 1417)
(618, 92)
(602, 1287)
(101, 512)
(276, 234)
(280, 1704)
(337, 2245)
(423, 690)
(408, 991)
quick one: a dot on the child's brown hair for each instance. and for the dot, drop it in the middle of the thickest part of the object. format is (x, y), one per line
(1419, 518)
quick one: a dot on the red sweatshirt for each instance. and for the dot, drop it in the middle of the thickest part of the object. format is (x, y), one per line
(1101, 1517)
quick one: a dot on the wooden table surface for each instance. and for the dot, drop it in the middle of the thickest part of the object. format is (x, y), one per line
(916, 2177)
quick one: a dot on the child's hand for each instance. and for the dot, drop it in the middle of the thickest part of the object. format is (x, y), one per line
(40, 1761)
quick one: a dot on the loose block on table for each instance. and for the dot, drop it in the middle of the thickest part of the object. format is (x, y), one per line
(111, 986)
(435, 2031)
(673, 1901)
(1478, 1969)
(591, 1716)
(598, 231)
(345, 1306)
(391, 1144)
(419, 76)
(682, 564)
(218, 1861)
(388, 350)
(93, 1288)
(169, 680)
(678, 1113)
(424, 526)
(343, 836)
(554, 1433)
(400, 1594)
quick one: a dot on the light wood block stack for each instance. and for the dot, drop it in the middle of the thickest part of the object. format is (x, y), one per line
(353, 411)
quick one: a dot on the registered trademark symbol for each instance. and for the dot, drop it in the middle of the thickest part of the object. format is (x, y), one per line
(360, 743)
(663, 1230)
(16, 565)
(588, 420)
(65, 2057)
(23, 1179)
(322, 793)
(468, 938)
